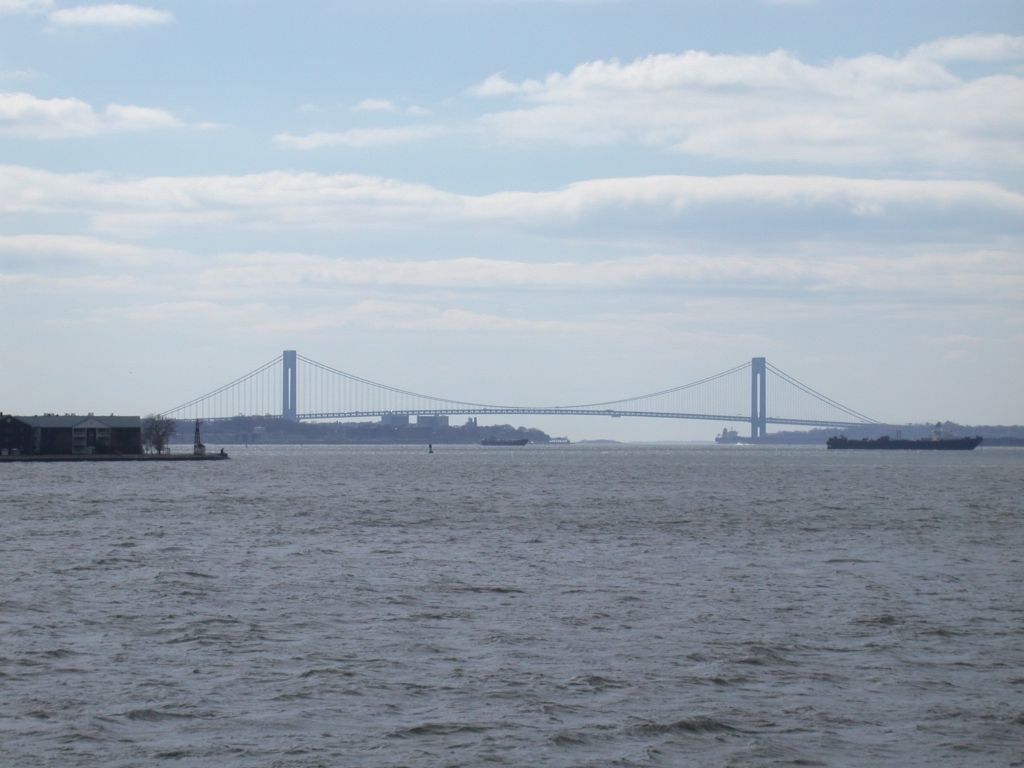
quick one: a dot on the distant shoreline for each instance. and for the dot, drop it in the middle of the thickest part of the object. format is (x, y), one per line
(106, 457)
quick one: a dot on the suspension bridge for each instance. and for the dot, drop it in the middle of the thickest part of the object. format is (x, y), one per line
(295, 388)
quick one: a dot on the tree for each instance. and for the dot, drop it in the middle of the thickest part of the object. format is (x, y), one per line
(157, 431)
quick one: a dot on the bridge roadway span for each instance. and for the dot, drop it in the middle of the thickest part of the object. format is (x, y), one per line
(554, 411)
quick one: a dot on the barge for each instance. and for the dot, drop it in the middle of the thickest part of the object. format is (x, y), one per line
(886, 443)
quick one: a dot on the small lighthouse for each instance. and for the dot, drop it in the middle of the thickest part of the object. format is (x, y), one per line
(198, 449)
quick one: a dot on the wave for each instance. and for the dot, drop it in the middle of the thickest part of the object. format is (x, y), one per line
(686, 725)
(439, 729)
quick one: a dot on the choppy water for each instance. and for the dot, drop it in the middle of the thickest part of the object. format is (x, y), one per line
(563, 606)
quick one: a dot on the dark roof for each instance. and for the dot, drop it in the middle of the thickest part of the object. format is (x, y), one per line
(68, 421)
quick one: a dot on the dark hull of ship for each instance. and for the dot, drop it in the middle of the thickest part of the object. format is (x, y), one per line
(887, 444)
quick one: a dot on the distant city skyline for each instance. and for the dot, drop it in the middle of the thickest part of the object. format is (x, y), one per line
(515, 201)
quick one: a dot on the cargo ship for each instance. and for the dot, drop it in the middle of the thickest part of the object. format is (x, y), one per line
(492, 441)
(885, 443)
(728, 437)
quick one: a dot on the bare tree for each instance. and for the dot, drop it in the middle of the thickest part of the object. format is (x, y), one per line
(157, 431)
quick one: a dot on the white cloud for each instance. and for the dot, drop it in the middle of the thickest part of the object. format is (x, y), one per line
(375, 105)
(906, 112)
(165, 312)
(369, 315)
(27, 116)
(109, 15)
(979, 275)
(498, 85)
(358, 138)
(409, 317)
(286, 201)
(36, 249)
(682, 201)
(47, 286)
(22, 114)
(872, 109)
(973, 48)
(25, 6)
(371, 105)
(808, 236)
(127, 118)
(18, 74)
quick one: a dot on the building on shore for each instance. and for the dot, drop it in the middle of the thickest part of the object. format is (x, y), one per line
(70, 434)
(432, 421)
(15, 435)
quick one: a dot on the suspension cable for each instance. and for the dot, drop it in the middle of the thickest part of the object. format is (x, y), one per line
(824, 398)
(396, 390)
(669, 391)
(220, 390)
(387, 388)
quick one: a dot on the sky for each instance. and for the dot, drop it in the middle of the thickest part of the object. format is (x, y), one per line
(515, 201)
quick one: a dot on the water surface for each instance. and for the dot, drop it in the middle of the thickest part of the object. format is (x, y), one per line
(559, 605)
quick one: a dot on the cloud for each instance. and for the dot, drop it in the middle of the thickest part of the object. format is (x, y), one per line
(109, 15)
(40, 249)
(409, 317)
(910, 273)
(973, 48)
(750, 207)
(498, 85)
(48, 286)
(18, 74)
(575, 252)
(375, 105)
(870, 110)
(722, 208)
(359, 138)
(271, 201)
(25, 6)
(369, 315)
(166, 312)
(26, 116)
(823, 268)
(957, 339)
(126, 118)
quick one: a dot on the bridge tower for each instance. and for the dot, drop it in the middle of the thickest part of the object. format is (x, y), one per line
(758, 398)
(289, 381)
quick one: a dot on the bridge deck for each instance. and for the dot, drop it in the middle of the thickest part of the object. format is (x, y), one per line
(501, 411)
